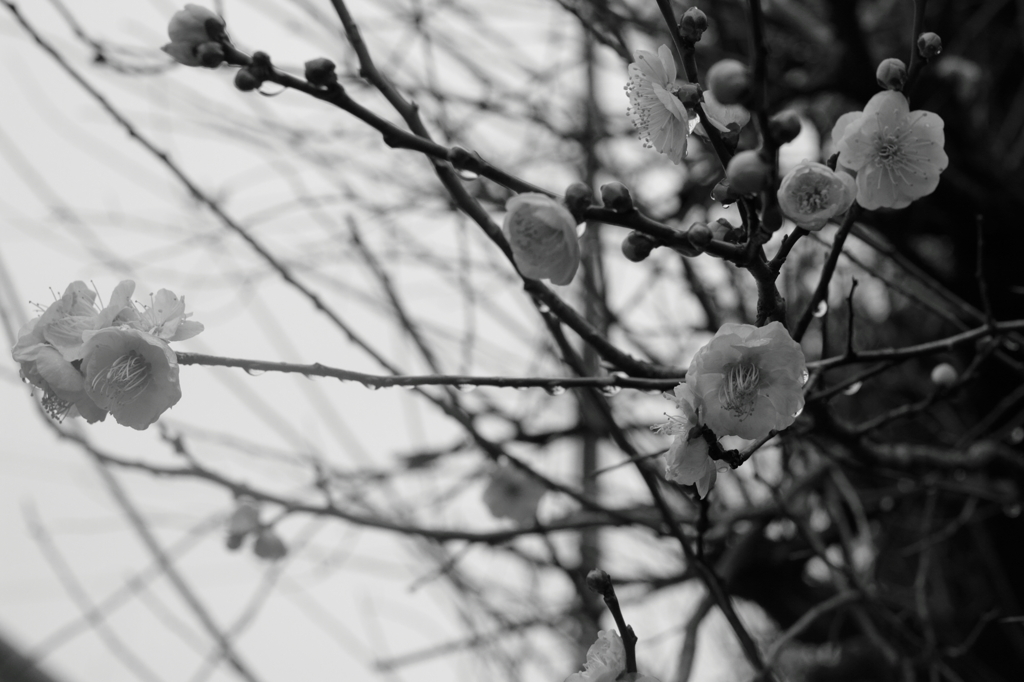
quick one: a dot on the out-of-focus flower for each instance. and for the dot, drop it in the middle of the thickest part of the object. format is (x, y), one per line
(687, 461)
(729, 81)
(190, 29)
(166, 318)
(896, 153)
(606, 659)
(944, 374)
(747, 172)
(542, 234)
(660, 118)
(269, 545)
(785, 126)
(513, 494)
(131, 374)
(728, 118)
(812, 194)
(929, 45)
(748, 380)
(245, 519)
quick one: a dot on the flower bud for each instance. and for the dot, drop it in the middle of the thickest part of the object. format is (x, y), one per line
(542, 234)
(246, 80)
(269, 545)
(320, 72)
(615, 196)
(723, 193)
(637, 246)
(944, 375)
(784, 126)
(700, 235)
(578, 198)
(692, 24)
(191, 28)
(747, 172)
(210, 55)
(245, 518)
(929, 45)
(721, 229)
(729, 81)
(599, 581)
(233, 542)
(688, 93)
(891, 74)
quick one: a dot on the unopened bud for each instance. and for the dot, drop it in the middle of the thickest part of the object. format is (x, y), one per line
(747, 172)
(578, 198)
(771, 218)
(599, 581)
(729, 81)
(723, 193)
(721, 228)
(929, 45)
(700, 235)
(269, 546)
(944, 375)
(320, 72)
(692, 24)
(615, 196)
(245, 518)
(233, 542)
(211, 55)
(891, 74)
(785, 126)
(637, 246)
(246, 80)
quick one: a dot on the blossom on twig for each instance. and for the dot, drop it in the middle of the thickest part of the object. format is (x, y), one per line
(606, 659)
(191, 31)
(687, 462)
(542, 234)
(812, 194)
(896, 153)
(748, 380)
(660, 118)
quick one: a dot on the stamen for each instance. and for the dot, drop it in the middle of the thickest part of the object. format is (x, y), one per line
(125, 379)
(55, 408)
(739, 390)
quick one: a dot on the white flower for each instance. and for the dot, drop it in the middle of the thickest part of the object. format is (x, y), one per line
(606, 659)
(513, 494)
(687, 461)
(812, 194)
(131, 374)
(166, 318)
(542, 234)
(897, 153)
(748, 381)
(660, 118)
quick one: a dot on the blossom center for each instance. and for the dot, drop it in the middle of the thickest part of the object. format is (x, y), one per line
(813, 198)
(55, 408)
(125, 379)
(889, 151)
(739, 390)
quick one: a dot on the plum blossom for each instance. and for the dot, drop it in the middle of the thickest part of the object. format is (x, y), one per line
(660, 118)
(166, 318)
(896, 153)
(513, 494)
(812, 194)
(606, 659)
(62, 384)
(728, 118)
(189, 30)
(542, 234)
(687, 461)
(131, 374)
(747, 381)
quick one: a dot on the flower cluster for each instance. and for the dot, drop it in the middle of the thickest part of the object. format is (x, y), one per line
(747, 382)
(90, 359)
(897, 153)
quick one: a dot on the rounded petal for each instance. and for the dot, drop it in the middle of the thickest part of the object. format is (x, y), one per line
(668, 64)
(889, 108)
(842, 124)
(542, 234)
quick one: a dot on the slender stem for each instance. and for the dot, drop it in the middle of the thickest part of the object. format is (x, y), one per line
(821, 292)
